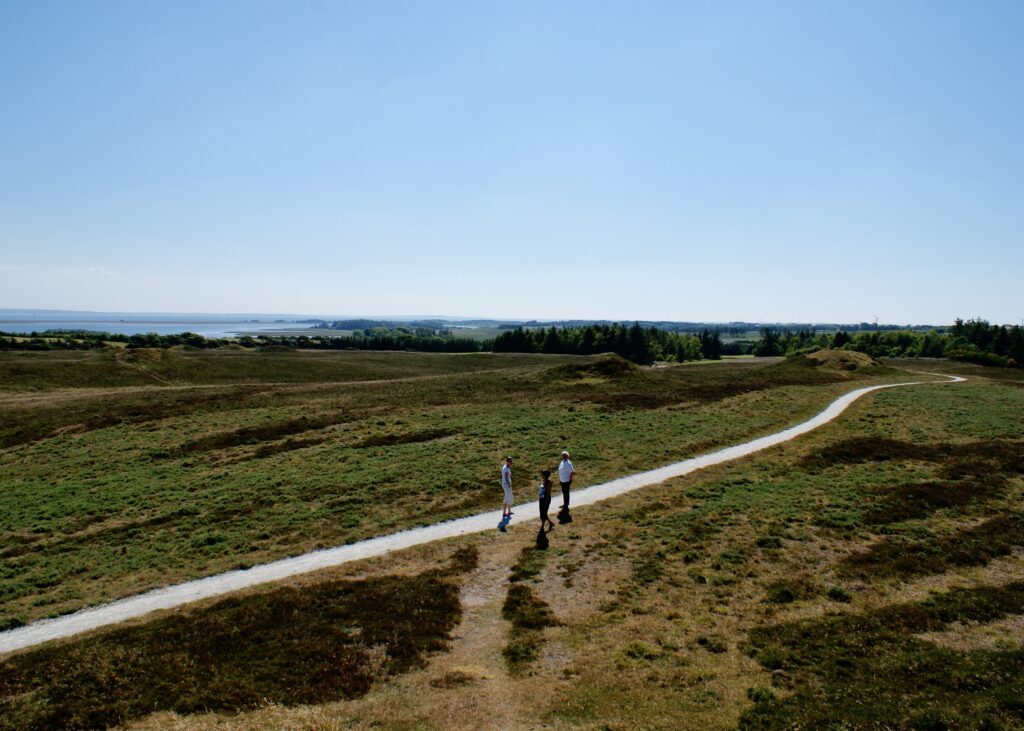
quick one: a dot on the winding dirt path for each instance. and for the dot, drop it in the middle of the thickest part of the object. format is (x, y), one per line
(211, 586)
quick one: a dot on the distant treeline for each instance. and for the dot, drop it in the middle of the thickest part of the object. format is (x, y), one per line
(973, 341)
(637, 343)
(92, 340)
(58, 340)
(400, 339)
(436, 326)
(377, 339)
(728, 329)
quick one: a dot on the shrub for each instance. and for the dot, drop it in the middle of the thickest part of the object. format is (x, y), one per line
(637, 650)
(839, 594)
(789, 590)
(525, 609)
(769, 542)
(713, 643)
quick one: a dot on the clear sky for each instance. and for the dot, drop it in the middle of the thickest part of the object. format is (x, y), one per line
(766, 161)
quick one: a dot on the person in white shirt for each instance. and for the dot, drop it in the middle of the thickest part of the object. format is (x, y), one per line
(506, 486)
(565, 475)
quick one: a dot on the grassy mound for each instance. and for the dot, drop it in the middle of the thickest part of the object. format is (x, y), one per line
(608, 365)
(836, 360)
(143, 355)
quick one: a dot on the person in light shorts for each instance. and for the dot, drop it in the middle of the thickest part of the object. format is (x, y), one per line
(506, 486)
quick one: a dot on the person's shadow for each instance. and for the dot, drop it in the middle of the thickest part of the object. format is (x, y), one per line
(564, 516)
(542, 539)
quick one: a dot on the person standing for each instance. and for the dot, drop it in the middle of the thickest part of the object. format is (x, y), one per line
(544, 498)
(565, 475)
(506, 486)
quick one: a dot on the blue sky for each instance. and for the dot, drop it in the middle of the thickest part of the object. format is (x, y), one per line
(779, 161)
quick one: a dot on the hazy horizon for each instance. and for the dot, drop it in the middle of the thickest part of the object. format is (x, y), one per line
(45, 315)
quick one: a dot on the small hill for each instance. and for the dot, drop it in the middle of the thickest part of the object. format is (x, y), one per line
(836, 360)
(608, 365)
(143, 355)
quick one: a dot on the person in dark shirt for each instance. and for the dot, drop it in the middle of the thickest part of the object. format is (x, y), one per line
(544, 498)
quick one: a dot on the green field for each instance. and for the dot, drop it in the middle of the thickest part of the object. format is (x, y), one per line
(706, 601)
(235, 458)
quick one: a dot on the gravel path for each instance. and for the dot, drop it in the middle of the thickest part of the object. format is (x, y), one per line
(173, 596)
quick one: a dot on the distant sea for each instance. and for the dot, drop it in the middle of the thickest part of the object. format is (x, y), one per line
(210, 327)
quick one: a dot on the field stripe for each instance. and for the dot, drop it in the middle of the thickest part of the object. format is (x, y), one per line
(211, 586)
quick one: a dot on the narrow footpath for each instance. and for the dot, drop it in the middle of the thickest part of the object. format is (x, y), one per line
(211, 586)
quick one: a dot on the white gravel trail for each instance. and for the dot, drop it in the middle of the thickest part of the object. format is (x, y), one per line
(211, 586)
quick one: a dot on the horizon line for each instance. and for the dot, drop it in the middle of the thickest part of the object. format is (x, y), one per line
(449, 318)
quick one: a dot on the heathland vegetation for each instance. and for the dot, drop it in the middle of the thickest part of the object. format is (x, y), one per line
(867, 574)
(122, 470)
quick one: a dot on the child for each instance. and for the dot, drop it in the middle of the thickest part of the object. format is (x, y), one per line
(544, 496)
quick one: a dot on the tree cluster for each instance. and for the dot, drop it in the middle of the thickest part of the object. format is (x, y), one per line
(378, 339)
(637, 343)
(48, 343)
(152, 340)
(974, 341)
(59, 340)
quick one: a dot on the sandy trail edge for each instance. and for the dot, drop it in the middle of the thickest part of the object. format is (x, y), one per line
(173, 596)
